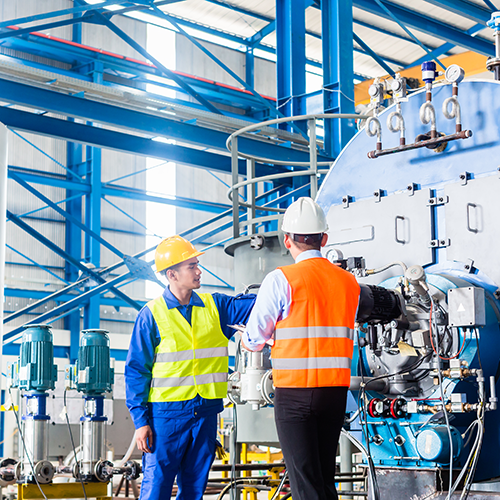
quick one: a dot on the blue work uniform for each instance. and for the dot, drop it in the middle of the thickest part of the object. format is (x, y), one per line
(184, 432)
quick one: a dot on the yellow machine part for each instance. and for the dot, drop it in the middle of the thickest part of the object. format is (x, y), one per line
(63, 490)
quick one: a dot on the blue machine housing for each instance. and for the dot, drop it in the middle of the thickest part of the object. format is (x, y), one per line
(35, 371)
(452, 231)
(94, 373)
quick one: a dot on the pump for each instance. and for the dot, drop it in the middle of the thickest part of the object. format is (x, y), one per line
(93, 376)
(34, 373)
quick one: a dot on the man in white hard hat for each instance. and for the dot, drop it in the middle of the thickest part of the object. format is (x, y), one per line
(309, 309)
(176, 374)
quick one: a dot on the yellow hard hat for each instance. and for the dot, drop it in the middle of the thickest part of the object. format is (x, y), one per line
(174, 250)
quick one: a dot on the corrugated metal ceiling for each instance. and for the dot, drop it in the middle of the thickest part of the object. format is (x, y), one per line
(383, 35)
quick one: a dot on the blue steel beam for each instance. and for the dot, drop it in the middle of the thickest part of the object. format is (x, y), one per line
(114, 191)
(68, 306)
(469, 10)
(141, 50)
(272, 108)
(228, 70)
(40, 294)
(59, 251)
(443, 48)
(255, 40)
(373, 55)
(70, 217)
(428, 26)
(338, 85)
(118, 116)
(62, 12)
(291, 60)
(178, 201)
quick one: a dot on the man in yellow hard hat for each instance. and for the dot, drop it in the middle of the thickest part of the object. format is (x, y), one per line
(176, 374)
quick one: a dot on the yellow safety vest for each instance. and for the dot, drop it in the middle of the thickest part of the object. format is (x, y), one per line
(190, 359)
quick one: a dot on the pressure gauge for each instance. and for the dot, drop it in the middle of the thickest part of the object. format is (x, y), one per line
(454, 74)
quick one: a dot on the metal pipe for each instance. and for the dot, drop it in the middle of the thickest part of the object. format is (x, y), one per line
(399, 125)
(251, 195)
(454, 113)
(3, 219)
(465, 134)
(313, 156)
(428, 114)
(345, 463)
(373, 385)
(377, 131)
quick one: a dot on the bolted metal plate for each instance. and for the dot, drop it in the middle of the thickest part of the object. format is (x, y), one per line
(473, 223)
(395, 228)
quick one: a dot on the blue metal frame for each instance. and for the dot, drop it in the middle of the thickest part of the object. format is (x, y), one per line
(291, 61)
(83, 178)
(338, 84)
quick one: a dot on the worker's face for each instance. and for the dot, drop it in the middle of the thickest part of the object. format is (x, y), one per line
(188, 275)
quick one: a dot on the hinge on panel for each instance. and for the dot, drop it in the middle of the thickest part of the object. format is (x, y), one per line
(411, 188)
(437, 200)
(440, 243)
(464, 177)
(469, 266)
(378, 195)
(346, 200)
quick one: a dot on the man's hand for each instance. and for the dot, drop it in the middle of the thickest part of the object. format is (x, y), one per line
(144, 438)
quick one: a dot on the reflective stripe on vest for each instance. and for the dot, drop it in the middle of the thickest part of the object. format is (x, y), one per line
(189, 360)
(313, 344)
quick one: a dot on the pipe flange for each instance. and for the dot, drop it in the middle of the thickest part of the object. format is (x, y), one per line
(101, 469)
(76, 470)
(44, 471)
(234, 388)
(18, 470)
(134, 470)
(492, 63)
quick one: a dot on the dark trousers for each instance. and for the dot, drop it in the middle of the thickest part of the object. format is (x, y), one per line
(309, 422)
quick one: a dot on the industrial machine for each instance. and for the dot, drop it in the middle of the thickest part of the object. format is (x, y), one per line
(35, 373)
(412, 204)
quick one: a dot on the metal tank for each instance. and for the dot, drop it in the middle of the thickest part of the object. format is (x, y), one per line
(423, 223)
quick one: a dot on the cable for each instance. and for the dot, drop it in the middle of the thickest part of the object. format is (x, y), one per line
(24, 447)
(440, 378)
(233, 484)
(73, 445)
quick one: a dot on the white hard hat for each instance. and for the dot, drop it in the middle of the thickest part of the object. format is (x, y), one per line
(304, 216)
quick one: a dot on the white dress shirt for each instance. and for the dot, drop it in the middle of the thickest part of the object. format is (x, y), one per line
(272, 305)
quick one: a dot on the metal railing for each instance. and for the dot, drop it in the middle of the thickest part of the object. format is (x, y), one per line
(313, 171)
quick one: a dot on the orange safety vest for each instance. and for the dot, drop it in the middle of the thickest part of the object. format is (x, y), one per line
(313, 344)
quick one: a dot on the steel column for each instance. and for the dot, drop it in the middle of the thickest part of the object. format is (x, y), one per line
(3, 211)
(92, 313)
(338, 72)
(291, 60)
(73, 243)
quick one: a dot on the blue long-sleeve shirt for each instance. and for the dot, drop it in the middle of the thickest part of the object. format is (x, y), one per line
(146, 337)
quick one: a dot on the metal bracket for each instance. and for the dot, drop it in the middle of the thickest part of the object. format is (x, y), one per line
(346, 200)
(437, 200)
(464, 177)
(378, 194)
(411, 188)
(469, 266)
(440, 243)
(141, 269)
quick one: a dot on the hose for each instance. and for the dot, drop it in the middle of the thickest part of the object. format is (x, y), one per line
(128, 453)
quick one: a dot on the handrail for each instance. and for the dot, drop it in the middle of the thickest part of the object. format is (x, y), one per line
(313, 172)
